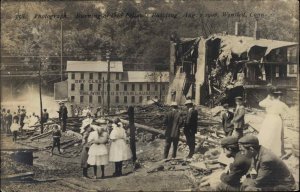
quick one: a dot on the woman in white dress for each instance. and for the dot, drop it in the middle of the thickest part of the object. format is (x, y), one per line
(98, 153)
(271, 131)
(119, 149)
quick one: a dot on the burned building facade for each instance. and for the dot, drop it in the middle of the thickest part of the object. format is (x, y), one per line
(214, 70)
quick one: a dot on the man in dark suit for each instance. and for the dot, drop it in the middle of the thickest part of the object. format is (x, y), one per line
(22, 117)
(190, 127)
(45, 116)
(8, 120)
(267, 172)
(227, 116)
(238, 120)
(230, 179)
(173, 122)
(63, 115)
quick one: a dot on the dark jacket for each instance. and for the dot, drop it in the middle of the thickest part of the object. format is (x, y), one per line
(191, 121)
(237, 169)
(271, 171)
(238, 118)
(8, 118)
(56, 133)
(45, 117)
(16, 118)
(63, 112)
(226, 121)
(173, 122)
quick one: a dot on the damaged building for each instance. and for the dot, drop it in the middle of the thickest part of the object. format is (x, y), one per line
(214, 70)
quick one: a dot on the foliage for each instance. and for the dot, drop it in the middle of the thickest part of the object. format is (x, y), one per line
(134, 35)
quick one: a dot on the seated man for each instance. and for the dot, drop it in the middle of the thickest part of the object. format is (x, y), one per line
(268, 172)
(230, 179)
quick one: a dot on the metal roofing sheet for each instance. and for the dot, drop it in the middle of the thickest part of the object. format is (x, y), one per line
(145, 76)
(95, 66)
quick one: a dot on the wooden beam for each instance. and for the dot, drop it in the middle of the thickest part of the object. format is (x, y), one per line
(41, 135)
(18, 176)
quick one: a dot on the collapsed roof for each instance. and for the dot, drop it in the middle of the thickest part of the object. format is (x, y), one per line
(248, 46)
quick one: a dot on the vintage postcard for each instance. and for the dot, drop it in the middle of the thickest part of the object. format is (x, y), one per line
(149, 95)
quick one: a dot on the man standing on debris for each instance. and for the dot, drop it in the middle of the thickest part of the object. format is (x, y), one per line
(8, 119)
(3, 119)
(226, 120)
(267, 172)
(63, 115)
(230, 179)
(190, 127)
(173, 122)
(45, 116)
(22, 117)
(238, 120)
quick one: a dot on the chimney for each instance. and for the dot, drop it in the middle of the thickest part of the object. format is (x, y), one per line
(236, 29)
(256, 31)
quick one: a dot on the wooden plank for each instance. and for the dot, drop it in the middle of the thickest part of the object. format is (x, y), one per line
(41, 135)
(71, 144)
(18, 176)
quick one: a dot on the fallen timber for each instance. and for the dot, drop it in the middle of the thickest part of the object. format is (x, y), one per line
(41, 135)
(17, 176)
(161, 132)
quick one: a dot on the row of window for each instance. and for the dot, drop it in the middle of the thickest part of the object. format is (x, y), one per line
(117, 99)
(125, 87)
(91, 76)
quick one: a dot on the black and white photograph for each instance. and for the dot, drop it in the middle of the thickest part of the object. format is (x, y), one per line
(149, 95)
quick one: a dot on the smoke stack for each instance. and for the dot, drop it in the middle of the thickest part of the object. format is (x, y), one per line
(256, 31)
(236, 29)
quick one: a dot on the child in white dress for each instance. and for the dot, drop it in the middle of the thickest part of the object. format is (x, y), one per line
(98, 153)
(119, 149)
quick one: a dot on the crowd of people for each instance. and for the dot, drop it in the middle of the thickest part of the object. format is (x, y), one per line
(256, 166)
(20, 120)
(102, 144)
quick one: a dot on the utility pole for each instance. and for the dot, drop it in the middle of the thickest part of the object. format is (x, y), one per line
(160, 84)
(61, 52)
(108, 78)
(41, 103)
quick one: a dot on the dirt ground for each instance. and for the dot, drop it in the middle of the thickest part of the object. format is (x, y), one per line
(63, 172)
(60, 173)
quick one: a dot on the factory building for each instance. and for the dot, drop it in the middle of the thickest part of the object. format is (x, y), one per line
(87, 84)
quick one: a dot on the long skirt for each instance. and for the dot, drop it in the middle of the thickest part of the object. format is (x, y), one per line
(270, 133)
(84, 156)
(98, 155)
(119, 151)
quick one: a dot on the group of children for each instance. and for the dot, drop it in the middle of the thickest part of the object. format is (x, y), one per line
(96, 151)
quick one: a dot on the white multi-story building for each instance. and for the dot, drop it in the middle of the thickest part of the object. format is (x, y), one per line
(87, 84)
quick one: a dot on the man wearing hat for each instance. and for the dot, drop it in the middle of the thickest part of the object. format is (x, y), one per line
(173, 121)
(227, 116)
(230, 180)
(63, 115)
(238, 117)
(190, 127)
(267, 172)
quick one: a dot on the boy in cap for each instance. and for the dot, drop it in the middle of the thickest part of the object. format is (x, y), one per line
(190, 127)
(230, 180)
(173, 121)
(268, 172)
(56, 135)
(238, 120)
